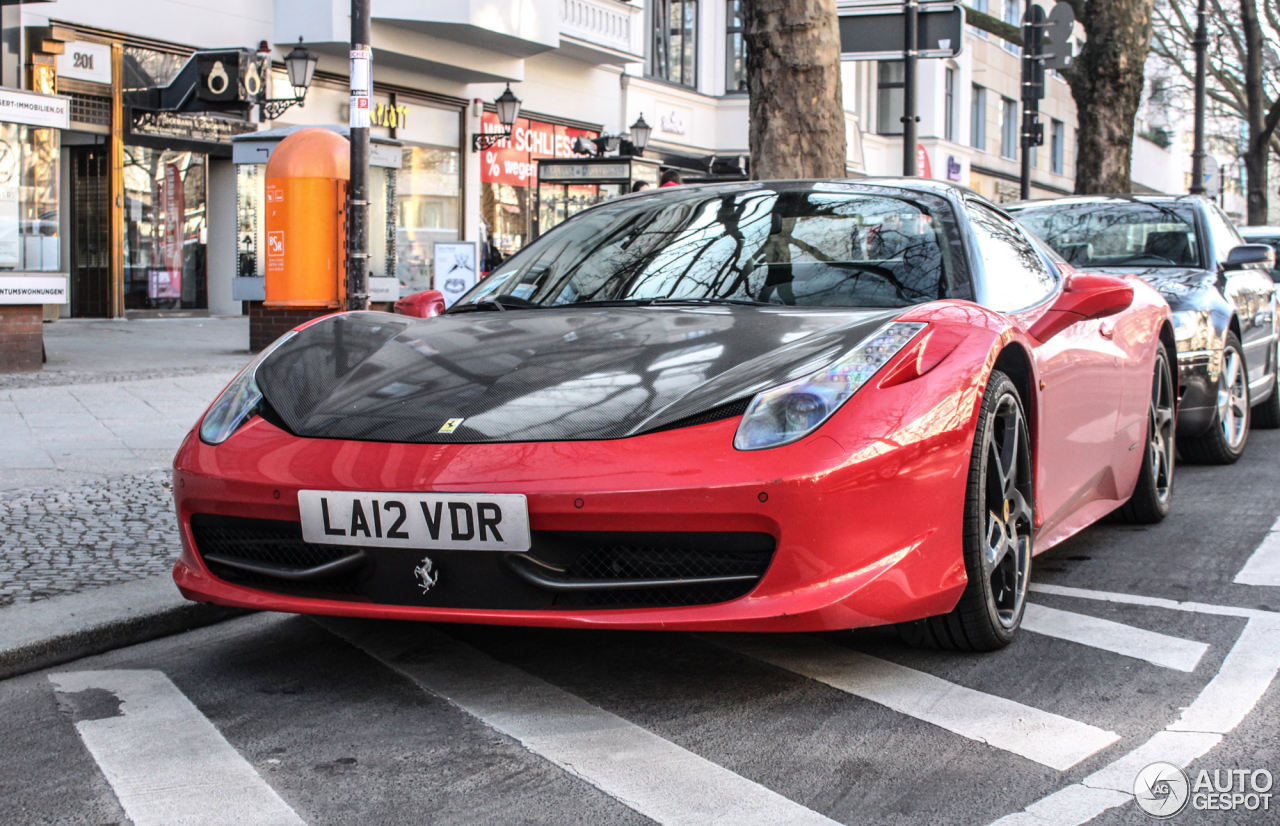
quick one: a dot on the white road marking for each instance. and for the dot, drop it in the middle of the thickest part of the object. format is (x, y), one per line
(1246, 673)
(1139, 643)
(166, 762)
(1037, 735)
(1263, 567)
(1155, 602)
(639, 769)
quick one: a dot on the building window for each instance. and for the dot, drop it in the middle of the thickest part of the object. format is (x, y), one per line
(1008, 128)
(1013, 17)
(735, 70)
(889, 98)
(675, 41)
(1057, 153)
(978, 5)
(28, 198)
(949, 102)
(978, 119)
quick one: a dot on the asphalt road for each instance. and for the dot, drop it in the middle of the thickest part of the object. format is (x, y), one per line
(282, 720)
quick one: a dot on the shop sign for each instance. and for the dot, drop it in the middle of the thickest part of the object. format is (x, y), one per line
(26, 289)
(392, 117)
(185, 131)
(510, 161)
(583, 171)
(167, 282)
(673, 123)
(34, 110)
(86, 61)
(953, 168)
(924, 169)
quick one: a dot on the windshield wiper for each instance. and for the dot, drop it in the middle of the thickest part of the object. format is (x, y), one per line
(491, 303)
(748, 302)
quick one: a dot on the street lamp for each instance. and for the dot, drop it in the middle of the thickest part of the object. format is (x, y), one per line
(508, 106)
(640, 132)
(301, 65)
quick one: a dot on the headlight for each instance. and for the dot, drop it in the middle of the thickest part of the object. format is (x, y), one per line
(239, 401)
(796, 409)
(1190, 329)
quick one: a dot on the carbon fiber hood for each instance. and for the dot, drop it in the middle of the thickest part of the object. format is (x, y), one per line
(543, 375)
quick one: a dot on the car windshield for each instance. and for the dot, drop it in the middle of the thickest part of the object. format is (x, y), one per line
(812, 245)
(1116, 234)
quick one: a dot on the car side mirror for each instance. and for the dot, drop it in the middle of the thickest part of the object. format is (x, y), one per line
(1084, 296)
(426, 304)
(1251, 256)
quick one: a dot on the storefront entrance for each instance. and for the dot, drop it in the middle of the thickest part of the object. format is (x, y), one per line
(90, 231)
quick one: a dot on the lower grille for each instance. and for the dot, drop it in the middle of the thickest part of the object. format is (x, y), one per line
(562, 569)
(246, 550)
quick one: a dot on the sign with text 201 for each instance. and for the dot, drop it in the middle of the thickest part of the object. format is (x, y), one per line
(84, 60)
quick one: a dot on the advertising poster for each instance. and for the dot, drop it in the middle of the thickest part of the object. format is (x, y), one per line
(455, 268)
(10, 248)
(167, 282)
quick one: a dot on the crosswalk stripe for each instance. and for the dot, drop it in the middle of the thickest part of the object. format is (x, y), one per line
(1246, 674)
(1160, 649)
(653, 776)
(165, 761)
(1263, 566)
(1041, 736)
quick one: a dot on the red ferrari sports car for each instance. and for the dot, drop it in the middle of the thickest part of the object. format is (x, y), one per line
(751, 406)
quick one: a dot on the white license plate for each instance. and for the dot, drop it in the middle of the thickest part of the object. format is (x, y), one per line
(458, 521)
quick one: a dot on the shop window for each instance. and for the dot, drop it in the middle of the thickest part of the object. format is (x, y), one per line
(978, 119)
(165, 226)
(890, 91)
(428, 192)
(735, 71)
(675, 41)
(28, 198)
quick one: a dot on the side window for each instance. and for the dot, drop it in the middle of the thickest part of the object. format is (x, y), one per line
(1014, 274)
(1224, 235)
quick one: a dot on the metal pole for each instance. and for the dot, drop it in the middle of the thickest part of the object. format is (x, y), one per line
(1201, 44)
(909, 165)
(1030, 99)
(358, 190)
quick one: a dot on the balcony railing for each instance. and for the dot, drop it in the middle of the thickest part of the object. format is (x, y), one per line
(612, 25)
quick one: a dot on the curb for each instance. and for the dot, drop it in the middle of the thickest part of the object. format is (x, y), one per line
(61, 629)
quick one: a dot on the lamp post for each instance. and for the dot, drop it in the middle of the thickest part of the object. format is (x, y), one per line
(358, 186)
(1200, 43)
(508, 106)
(301, 66)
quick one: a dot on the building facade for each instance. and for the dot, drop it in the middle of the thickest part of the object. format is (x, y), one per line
(159, 214)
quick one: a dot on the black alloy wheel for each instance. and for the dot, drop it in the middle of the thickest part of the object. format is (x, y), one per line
(1266, 414)
(1223, 443)
(998, 519)
(1153, 493)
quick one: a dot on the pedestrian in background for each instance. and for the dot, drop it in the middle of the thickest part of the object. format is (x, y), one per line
(671, 177)
(639, 186)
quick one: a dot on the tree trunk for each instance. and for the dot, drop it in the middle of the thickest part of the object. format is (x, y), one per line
(1262, 124)
(1106, 82)
(793, 76)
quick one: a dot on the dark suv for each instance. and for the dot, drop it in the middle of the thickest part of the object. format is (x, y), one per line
(1220, 290)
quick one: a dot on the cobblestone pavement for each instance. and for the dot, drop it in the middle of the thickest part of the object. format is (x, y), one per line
(67, 540)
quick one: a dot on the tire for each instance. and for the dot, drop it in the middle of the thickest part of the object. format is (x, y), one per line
(1266, 415)
(1154, 491)
(1215, 446)
(998, 516)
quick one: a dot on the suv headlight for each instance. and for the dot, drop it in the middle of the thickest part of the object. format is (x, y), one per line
(794, 410)
(239, 401)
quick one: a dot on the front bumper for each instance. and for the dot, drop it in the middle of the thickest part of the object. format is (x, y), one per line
(1198, 372)
(862, 532)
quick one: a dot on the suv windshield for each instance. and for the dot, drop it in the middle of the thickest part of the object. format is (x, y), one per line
(1116, 234)
(812, 245)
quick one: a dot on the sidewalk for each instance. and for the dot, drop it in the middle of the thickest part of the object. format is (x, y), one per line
(85, 497)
